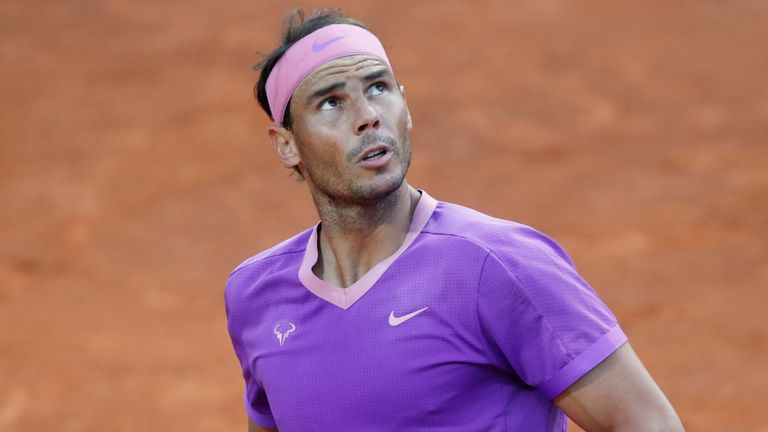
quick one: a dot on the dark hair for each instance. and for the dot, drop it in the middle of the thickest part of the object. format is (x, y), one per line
(296, 26)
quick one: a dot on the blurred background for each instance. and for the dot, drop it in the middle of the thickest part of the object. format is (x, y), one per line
(135, 173)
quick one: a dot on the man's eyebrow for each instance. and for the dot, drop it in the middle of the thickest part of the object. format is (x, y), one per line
(325, 90)
(341, 84)
(376, 75)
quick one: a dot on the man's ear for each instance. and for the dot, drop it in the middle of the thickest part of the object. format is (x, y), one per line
(285, 145)
(410, 120)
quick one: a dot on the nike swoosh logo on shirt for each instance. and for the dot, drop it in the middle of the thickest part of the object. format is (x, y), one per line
(316, 47)
(396, 321)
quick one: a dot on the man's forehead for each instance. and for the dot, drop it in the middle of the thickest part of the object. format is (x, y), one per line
(341, 69)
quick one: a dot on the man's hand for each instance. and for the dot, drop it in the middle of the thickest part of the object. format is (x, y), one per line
(619, 395)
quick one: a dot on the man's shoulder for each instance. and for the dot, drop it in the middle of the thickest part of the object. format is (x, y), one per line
(489, 231)
(294, 245)
(507, 240)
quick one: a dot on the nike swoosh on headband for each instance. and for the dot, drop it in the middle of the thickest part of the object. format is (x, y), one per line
(312, 51)
(319, 47)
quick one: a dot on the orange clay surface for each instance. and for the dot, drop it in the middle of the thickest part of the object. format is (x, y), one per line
(135, 174)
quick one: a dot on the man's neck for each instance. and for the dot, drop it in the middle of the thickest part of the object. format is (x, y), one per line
(355, 237)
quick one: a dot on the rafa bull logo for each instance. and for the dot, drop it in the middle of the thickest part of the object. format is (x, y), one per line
(281, 337)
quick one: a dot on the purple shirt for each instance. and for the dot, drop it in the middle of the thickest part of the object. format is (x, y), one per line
(474, 324)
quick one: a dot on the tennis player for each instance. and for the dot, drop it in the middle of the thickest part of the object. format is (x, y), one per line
(400, 312)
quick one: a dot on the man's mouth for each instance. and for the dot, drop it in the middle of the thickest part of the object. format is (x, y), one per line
(374, 153)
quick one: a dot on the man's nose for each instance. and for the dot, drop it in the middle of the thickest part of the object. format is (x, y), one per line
(366, 117)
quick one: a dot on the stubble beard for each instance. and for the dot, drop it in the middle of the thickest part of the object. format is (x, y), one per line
(331, 188)
(362, 192)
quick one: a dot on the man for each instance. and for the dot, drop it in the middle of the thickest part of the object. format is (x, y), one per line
(399, 312)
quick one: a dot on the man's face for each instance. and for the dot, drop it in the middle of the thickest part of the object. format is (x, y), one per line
(350, 125)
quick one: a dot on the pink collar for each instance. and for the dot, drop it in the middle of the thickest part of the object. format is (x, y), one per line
(346, 297)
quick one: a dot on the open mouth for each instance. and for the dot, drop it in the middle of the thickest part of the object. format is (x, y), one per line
(375, 154)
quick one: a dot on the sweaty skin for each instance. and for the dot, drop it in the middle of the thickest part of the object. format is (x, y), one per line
(346, 109)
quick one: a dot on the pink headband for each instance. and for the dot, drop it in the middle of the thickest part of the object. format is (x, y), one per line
(311, 52)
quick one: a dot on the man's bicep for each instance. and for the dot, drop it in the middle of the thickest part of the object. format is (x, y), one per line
(253, 427)
(619, 395)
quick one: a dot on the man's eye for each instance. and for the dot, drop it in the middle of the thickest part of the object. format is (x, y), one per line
(329, 103)
(377, 89)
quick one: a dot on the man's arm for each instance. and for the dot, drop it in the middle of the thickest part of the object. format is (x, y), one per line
(619, 395)
(253, 427)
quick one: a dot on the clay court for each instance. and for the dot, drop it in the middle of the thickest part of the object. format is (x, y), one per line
(135, 173)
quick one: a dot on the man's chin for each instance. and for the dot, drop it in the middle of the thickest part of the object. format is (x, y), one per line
(376, 189)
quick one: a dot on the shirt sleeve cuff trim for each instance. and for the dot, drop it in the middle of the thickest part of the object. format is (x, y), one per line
(584, 362)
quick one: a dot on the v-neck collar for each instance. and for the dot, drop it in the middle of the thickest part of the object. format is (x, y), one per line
(346, 297)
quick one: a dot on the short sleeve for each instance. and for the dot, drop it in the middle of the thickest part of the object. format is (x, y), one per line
(256, 402)
(541, 316)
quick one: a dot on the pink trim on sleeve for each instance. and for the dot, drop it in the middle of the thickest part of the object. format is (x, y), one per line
(584, 362)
